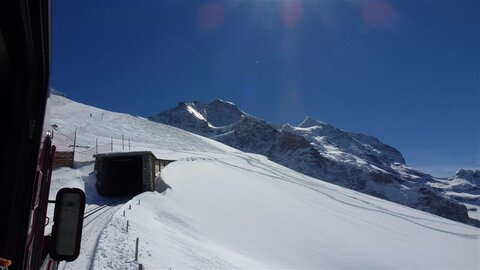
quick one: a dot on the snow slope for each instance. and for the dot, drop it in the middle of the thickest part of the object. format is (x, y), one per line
(229, 209)
(93, 124)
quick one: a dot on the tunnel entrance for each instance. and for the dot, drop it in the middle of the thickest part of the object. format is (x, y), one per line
(124, 176)
(125, 173)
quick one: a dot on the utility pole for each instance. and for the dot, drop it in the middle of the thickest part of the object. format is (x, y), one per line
(74, 144)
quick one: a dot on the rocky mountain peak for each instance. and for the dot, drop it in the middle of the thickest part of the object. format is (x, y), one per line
(221, 102)
(311, 122)
(222, 113)
(287, 128)
(472, 176)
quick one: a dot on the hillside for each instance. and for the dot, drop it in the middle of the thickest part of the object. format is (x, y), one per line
(230, 209)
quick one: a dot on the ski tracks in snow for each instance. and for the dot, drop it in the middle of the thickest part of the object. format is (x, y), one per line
(274, 174)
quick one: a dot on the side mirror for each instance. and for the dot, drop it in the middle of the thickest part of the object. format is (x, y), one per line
(67, 224)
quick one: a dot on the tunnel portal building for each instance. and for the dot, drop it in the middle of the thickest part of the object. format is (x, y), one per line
(126, 173)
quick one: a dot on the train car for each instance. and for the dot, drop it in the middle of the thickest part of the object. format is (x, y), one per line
(26, 145)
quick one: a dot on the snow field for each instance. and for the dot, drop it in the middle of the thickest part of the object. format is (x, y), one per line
(225, 213)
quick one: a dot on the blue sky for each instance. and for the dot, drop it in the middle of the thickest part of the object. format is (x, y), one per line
(407, 72)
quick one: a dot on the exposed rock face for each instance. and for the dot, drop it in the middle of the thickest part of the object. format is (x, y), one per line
(193, 116)
(440, 205)
(472, 176)
(464, 188)
(257, 136)
(181, 116)
(317, 149)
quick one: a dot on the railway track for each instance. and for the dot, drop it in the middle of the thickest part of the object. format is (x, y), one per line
(91, 214)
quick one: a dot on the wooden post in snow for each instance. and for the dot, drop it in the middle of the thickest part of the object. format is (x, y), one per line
(111, 144)
(96, 145)
(136, 250)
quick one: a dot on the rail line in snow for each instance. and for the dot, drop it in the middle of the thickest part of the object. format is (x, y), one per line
(97, 209)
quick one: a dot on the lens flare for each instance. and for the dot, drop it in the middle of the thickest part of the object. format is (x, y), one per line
(210, 16)
(292, 13)
(379, 15)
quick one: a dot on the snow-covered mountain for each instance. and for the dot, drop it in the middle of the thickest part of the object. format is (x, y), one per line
(193, 117)
(230, 209)
(317, 149)
(464, 187)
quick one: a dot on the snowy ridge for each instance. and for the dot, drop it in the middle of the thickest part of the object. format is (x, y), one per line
(229, 209)
(357, 161)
